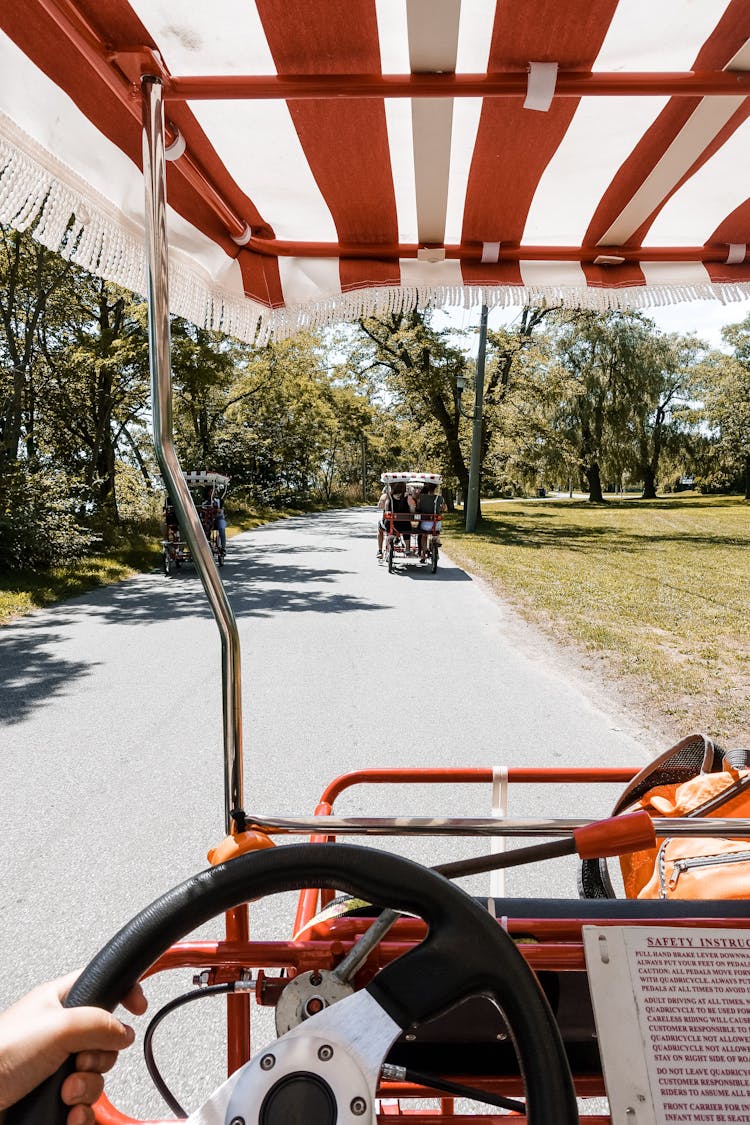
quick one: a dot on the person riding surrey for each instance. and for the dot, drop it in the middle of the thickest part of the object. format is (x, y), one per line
(402, 503)
(220, 521)
(397, 501)
(207, 512)
(171, 524)
(381, 526)
(428, 503)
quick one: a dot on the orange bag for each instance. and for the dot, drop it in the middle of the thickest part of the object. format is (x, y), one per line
(694, 867)
(700, 869)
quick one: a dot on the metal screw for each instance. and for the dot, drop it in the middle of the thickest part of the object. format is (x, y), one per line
(410, 1036)
(325, 1053)
(268, 1062)
(237, 1121)
(358, 1106)
(316, 979)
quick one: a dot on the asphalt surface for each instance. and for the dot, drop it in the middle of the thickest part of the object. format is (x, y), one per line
(111, 739)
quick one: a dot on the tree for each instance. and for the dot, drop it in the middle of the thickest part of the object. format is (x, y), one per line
(658, 382)
(726, 396)
(211, 373)
(419, 366)
(32, 281)
(97, 390)
(291, 423)
(627, 383)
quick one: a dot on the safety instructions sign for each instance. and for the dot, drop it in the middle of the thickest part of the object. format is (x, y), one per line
(672, 1011)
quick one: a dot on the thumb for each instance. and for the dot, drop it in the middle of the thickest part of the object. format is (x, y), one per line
(92, 1029)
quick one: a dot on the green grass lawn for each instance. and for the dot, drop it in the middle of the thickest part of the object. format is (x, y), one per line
(659, 590)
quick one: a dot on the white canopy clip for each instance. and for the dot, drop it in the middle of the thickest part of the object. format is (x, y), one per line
(177, 147)
(431, 254)
(737, 251)
(244, 238)
(541, 86)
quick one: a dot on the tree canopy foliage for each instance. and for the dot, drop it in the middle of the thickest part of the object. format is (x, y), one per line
(572, 399)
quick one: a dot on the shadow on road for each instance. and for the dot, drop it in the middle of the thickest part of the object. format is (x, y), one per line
(263, 576)
(423, 574)
(32, 674)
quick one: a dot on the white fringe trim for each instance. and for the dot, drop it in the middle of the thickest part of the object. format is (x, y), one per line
(40, 193)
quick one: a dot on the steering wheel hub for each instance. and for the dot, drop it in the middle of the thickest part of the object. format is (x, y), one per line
(299, 1099)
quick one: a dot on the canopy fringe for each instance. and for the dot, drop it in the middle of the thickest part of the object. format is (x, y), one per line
(40, 193)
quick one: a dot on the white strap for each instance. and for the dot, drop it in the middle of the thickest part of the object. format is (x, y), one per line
(497, 843)
(490, 251)
(737, 251)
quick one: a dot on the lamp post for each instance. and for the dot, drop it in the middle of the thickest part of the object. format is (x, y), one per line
(472, 500)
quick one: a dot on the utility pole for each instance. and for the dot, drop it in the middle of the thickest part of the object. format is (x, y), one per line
(363, 442)
(472, 500)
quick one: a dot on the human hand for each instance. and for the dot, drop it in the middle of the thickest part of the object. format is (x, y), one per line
(37, 1035)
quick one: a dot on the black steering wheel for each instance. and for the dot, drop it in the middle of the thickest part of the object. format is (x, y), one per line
(465, 953)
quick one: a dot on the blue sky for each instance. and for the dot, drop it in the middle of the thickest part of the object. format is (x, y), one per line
(705, 318)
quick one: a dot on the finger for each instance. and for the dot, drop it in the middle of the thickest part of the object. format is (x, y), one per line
(81, 1115)
(91, 1029)
(97, 1062)
(136, 1001)
(82, 1089)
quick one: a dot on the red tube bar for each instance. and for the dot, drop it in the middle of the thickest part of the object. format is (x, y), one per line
(522, 775)
(279, 248)
(503, 84)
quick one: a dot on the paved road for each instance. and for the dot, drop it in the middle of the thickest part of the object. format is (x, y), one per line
(111, 738)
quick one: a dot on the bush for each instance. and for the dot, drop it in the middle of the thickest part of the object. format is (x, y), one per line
(38, 524)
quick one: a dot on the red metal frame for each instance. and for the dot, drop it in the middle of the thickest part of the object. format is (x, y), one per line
(556, 945)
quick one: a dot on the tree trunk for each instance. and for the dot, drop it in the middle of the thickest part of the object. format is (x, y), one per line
(593, 476)
(11, 423)
(747, 478)
(649, 484)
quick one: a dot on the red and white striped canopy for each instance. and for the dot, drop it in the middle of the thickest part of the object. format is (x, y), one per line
(341, 157)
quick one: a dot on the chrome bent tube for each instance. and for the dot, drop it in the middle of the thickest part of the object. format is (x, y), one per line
(729, 827)
(157, 252)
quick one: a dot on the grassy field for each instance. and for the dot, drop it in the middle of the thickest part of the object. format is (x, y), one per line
(655, 594)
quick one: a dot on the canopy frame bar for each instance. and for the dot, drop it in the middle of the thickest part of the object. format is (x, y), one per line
(500, 84)
(157, 254)
(472, 252)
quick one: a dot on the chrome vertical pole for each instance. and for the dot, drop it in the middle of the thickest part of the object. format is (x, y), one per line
(154, 176)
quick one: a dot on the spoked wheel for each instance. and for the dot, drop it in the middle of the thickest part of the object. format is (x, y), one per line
(390, 557)
(434, 556)
(465, 953)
